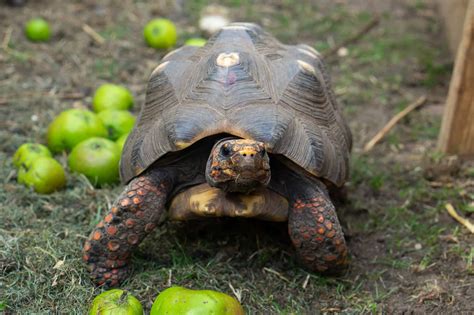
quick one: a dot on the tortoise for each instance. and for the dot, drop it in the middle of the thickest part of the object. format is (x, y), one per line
(242, 127)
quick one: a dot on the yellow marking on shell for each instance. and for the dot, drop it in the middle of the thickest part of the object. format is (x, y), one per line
(160, 68)
(308, 53)
(306, 67)
(251, 202)
(236, 27)
(310, 49)
(227, 59)
(202, 202)
(182, 145)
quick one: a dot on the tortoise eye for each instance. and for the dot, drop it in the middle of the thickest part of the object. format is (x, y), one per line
(225, 151)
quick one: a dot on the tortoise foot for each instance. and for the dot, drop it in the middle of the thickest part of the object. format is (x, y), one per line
(133, 216)
(317, 235)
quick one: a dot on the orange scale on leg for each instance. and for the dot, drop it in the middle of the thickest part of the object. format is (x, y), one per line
(113, 246)
(319, 239)
(125, 202)
(328, 225)
(130, 223)
(114, 210)
(97, 235)
(112, 230)
(320, 218)
(149, 227)
(109, 217)
(132, 239)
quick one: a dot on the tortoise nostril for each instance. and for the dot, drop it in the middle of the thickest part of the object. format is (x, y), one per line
(245, 154)
(251, 155)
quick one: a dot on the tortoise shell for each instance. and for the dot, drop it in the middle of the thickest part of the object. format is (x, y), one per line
(245, 83)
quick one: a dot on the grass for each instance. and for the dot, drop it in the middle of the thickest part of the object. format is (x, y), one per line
(405, 248)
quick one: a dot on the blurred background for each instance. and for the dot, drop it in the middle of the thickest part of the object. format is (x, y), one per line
(408, 254)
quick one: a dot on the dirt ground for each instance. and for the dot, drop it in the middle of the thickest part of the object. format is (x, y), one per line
(407, 254)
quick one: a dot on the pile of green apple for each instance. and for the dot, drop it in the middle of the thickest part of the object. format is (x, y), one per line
(174, 300)
(94, 140)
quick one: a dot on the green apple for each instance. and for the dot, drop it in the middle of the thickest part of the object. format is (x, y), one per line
(112, 96)
(195, 41)
(44, 174)
(121, 141)
(117, 122)
(98, 159)
(73, 126)
(178, 300)
(37, 30)
(160, 34)
(116, 302)
(29, 152)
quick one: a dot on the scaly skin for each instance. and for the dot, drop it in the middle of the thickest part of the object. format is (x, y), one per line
(316, 233)
(134, 215)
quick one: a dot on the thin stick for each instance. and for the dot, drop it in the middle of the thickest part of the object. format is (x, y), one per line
(395, 119)
(354, 38)
(92, 33)
(237, 293)
(458, 218)
(65, 96)
(276, 273)
(305, 283)
(6, 38)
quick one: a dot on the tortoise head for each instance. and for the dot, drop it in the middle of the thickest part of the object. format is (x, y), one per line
(238, 165)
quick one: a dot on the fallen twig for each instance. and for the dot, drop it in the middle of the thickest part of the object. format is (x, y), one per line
(458, 218)
(65, 96)
(354, 38)
(393, 122)
(237, 293)
(306, 281)
(6, 38)
(92, 33)
(276, 273)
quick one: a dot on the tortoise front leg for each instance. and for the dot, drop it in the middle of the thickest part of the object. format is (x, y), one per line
(134, 215)
(316, 233)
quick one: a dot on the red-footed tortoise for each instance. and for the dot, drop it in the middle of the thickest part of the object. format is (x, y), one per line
(243, 127)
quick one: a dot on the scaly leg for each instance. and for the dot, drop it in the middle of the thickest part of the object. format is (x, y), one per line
(315, 231)
(134, 215)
